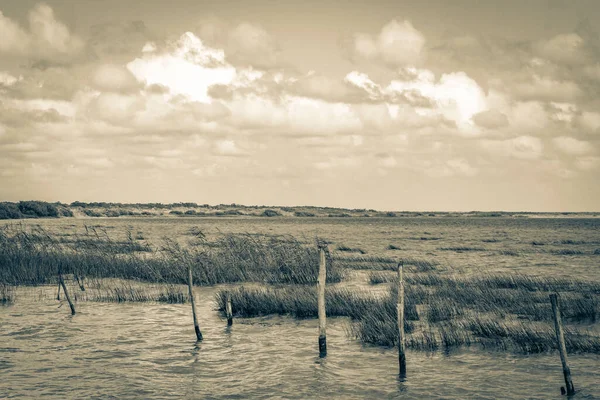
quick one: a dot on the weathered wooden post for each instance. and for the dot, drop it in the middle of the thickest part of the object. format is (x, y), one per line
(229, 310)
(191, 287)
(562, 348)
(80, 282)
(400, 309)
(321, 301)
(62, 283)
(58, 291)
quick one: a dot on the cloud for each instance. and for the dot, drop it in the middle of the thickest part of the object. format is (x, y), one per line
(186, 67)
(46, 38)
(587, 163)
(490, 119)
(7, 79)
(117, 42)
(114, 78)
(522, 147)
(546, 89)
(572, 146)
(397, 44)
(590, 121)
(452, 167)
(566, 48)
(252, 45)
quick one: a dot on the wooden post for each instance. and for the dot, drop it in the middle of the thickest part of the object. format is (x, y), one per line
(58, 291)
(562, 348)
(80, 282)
(62, 283)
(191, 286)
(321, 302)
(400, 309)
(228, 310)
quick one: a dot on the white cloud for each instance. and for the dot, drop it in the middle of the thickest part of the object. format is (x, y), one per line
(457, 96)
(572, 146)
(398, 43)
(188, 67)
(7, 79)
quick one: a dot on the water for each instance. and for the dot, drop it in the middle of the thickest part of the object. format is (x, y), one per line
(149, 351)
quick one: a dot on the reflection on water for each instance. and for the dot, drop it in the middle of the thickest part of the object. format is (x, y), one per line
(149, 351)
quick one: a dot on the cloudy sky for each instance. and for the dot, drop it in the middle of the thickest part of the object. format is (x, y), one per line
(403, 105)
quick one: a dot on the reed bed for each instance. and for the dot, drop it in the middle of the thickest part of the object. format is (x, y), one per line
(501, 311)
(33, 257)
(126, 291)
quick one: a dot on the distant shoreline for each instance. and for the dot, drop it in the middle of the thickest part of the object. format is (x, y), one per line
(40, 209)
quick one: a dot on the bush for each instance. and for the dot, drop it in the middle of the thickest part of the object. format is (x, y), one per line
(31, 209)
(270, 213)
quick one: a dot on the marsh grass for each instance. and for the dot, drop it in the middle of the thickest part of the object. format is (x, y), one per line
(127, 291)
(32, 256)
(347, 249)
(567, 252)
(498, 310)
(461, 249)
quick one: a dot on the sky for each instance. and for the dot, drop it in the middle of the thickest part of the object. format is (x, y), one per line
(392, 105)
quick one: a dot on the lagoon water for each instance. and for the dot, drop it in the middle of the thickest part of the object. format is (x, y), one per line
(149, 351)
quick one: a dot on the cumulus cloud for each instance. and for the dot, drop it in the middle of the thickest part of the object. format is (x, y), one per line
(46, 38)
(572, 146)
(186, 67)
(397, 44)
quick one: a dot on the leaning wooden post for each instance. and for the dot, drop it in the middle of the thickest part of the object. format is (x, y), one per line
(562, 348)
(58, 291)
(62, 283)
(400, 309)
(191, 287)
(321, 301)
(228, 310)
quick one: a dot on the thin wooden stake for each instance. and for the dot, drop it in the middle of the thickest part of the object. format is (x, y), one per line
(228, 311)
(562, 348)
(62, 283)
(191, 286)
(321, 296)
(400, 309)
(80, 282)
(58, 291)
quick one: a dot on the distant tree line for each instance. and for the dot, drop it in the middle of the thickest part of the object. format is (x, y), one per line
(33, 209)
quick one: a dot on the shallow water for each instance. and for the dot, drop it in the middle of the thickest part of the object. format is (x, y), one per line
(149, 351)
